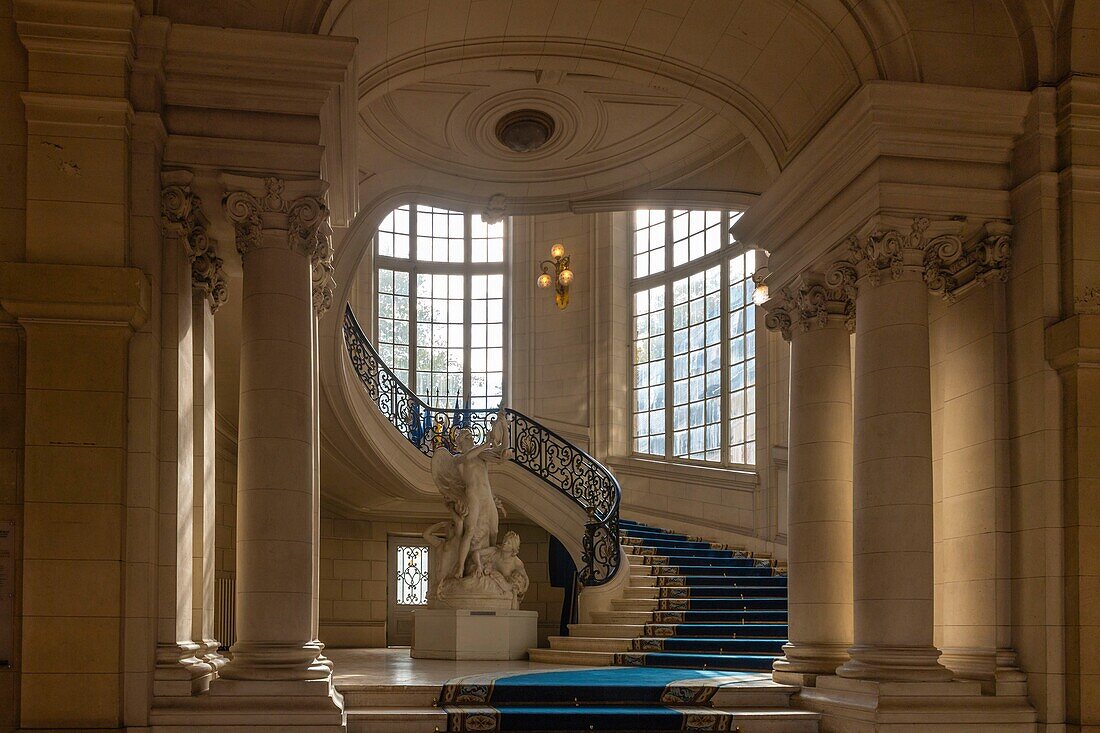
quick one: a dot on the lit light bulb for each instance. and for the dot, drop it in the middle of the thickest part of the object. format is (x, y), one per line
(760, 294)
(565, 277)
(544, 280)
(557, 251)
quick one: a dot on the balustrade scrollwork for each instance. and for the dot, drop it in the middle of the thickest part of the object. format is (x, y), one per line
(535, 448)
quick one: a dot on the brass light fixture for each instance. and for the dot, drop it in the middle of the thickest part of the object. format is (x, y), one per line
(556, 270)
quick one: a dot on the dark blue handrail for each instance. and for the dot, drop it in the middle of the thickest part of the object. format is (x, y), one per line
(535, 448)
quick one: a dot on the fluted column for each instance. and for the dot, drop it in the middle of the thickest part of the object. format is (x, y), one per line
(893, 569)
(815, 319)
(277, 227)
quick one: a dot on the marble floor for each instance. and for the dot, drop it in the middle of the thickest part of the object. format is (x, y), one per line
(394, 666)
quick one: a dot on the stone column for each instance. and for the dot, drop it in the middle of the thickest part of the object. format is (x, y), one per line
(277, 227)
(815, 319)
(893, 477)
(208, 294)
(180, 669)
(892, 530)
(323, 286)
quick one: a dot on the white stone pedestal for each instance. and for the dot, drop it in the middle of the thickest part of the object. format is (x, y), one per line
(447, 633)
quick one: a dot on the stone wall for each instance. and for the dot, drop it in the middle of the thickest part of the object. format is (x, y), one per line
(354, 578)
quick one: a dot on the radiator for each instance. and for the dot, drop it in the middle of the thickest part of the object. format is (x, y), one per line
(225, 619)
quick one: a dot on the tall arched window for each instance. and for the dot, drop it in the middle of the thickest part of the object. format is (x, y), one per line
(442, 305)
(694, 339)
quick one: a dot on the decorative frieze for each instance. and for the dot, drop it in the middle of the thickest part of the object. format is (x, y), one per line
(305, 220)
(182, 218)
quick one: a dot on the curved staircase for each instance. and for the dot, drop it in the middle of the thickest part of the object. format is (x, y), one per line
(690, 603)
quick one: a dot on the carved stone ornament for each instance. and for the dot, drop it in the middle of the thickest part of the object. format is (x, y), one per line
(182, 218)
(474, 571)
(810, 303)
(305, 220)
(953, 264)
(1089, 301)
(495, 212)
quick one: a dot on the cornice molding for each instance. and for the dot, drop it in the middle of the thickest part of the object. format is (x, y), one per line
(256, 71)
(867, 162)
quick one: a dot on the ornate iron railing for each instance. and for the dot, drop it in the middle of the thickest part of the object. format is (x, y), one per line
(535, 448)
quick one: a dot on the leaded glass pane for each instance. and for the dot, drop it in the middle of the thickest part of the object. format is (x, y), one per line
(649, 382)
(742, 359)
(393, 320)
(696, 361)
(412, 575)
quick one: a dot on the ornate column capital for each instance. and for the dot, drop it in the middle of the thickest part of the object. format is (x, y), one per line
(182, 218)
(954, 264)
(809, 303)
(950, 255)
(255, 205)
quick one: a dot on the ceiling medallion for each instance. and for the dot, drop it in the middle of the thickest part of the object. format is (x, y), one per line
(525, 130)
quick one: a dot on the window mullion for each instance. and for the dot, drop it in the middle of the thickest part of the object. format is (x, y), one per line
(413, 322)
(725, 330)
(467, 308)
(668, 386)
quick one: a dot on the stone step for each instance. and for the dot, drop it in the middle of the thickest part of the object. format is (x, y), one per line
(607, 630)
(571, 656)
(634, 604)
(389, 696)
(396, 720)
(645, 591)
(591, 643)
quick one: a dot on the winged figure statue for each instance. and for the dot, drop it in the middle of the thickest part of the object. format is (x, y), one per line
(466, 544)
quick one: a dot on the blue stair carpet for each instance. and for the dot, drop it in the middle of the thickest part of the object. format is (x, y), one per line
(717, 608)
(600, 699)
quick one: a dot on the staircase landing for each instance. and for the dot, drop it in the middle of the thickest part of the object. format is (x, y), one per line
(385, 690)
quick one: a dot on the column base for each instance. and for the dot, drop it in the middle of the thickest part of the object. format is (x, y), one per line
(865, 706)
(280, 706)
(803, 662)
(895, 664)
(995, 669)
(181, 671)
(260, 661)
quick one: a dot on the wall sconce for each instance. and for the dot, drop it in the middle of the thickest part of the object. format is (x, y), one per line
(556, 270)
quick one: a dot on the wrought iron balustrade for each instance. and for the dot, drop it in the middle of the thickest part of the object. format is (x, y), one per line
(535, 448)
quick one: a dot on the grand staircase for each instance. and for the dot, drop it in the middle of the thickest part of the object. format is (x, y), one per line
(691, 603)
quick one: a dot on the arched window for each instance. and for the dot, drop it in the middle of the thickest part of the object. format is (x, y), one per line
(442, 305)
(694, 339)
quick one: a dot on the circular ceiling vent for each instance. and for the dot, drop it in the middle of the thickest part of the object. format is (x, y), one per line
(525, 130)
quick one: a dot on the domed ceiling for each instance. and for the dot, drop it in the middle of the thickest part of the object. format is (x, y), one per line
(608, 136)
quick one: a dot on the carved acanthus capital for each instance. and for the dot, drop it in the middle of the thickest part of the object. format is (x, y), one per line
(251, 213)
(177, 209)
(884, 248)
(182, 218)
(809, 303)
(321, 261)
(954, 263)
(207, 274)
(243, 209)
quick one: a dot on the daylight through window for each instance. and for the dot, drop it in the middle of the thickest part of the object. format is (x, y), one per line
(442, 304)
(694, 338)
